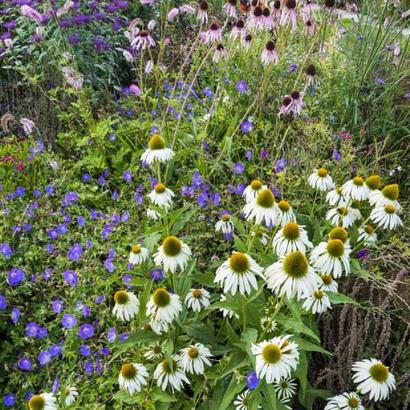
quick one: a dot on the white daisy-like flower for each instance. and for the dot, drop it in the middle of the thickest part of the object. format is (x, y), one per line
(161, 196)
(355, 189)
(344, 216)
(339, 233)
(373, 377)
(386, 217)
(153, 214)
(159, 326)
(292, 237)
(285, 213)
(172, 254)
(126, 306)
(367, 235)
(196, 299)
(263, 238)
(155, 352)
(332, 257)
(268, 325)
(292, 276)
(133, 377)
(317, 302)
(138, 255)
(225, 225)
(285, 389)
(373, 182)
(70, 395)
(251, 191)
(387, 196)
(241, 401)
(275, 358)
(227, 312)
(328, 283)
(345, 401)
(157, 151)
(262, 209)
(170, 373)
(163, 306)
(194, 358)
(321, 180)
(238, 273)
(43, 401)
(335, 197)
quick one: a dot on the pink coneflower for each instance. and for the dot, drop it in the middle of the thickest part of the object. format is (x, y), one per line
(230, 8)
(297, 102)
(269, 54)
(276, 13)
(246, 40)
(238, 29)
(289, 14)
(172, 14)
(256, 19)
(187, 9)
(310, 27)
(308, 9)
(214, 33)
(219, 54)
(286, 106)
(267, 18)
(202, 15)
(310, 73)
(142, 41)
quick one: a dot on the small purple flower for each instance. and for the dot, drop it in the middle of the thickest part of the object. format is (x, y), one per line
(126, 279)
(56, 385)
(246, 126)
(32, 329)
(362, 254)
(238, 168)
(5, 250)
(88, 367)
(336, 155)
(85, 350)
(70, 198)
(85, 331)
(9, 400)
(280, 165)
(157, 274)
(242, 87)
(75, 252)
(44, 357)
(100, 299)
(264, 154)
(55, 350)
(3, 302)
(69, 321)
(205, 145)
(25, 364)
(112, 334)
(109, 265)
(248, 154)
(252, 380)
(124, 336)
(70, 277)
(379, 81)
(86, 177)
(128, 176)
(57, 305)
(15, 276)
(15, 315)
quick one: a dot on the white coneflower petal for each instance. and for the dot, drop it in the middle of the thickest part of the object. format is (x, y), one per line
(43, 401)
(238, 273)
(387, 196)
(262, 236)
(344, 216)
(345, 401)
(163, 306)
(386, 217)
(292, 276)
(157, 151)
(317, 302)
(227, 312)
(373, 377)
(292, 237)
(268, 325)
(196, 299)
(194, 358)
(161, 196)
(133, 377)
(153, 214)
(172, 254)
(155, 351)
(251, 191)
(285, 213)
(275, 358)
(321, 180)
(263, 209)
(367, 235)
(355, 189)
(335, 197)
(126, 305)
(71, 394)
(328, 283)
(285, 389)
(170, 373)
(224, 225)
(138, 255)
(241, 401)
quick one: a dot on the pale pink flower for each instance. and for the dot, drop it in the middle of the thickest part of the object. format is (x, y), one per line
(289, 14)
(286, 106)
(310, 27)
(269, 54)
(134, 89)
(149, 67)
(73, 78)
(187, 9)
(213, 34)
(308, 9)
(172, 14)
(142, 41)
(238, 29)
(219, 54)
(202, 15)
(230, 8)
(147, 2)
(246, 40)
(28, 125)
(32, 14)
(256, 19)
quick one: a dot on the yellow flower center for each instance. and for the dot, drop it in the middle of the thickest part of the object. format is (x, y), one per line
(369, 229)
(161, 297)
(291, 231)
(147, 327)
(157, 350)
(225, 217)
(197, 293)
(338, 233)
(342, 211)
(271, 353)
(239, 262)
(136, 249)
(160, 188)
(156, 142)
(121, 297)
(318, 294)
(373, 182)
(169, 366)
(193, 352)
(353, 402)
(295, 264)
(379, 372)
(391, 192)
(335, 248)
(327, 278)
(390, 209)
(356, 204)
(284, 206)
(36, 403)
(322, 172)
(265, 198)
(358, 181)
(128, 371)
(339, 191)
(172, 246)
(256, 185)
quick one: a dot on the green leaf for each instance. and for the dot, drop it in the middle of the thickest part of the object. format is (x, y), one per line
(161, 396)
(296, 326)
(309, 346)
(340, 298)
(301, 375)
(234, 388)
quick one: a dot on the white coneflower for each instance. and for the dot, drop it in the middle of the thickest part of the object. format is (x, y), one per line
(213, 34)
(172, 254)
(126, 305)
(386, 217)
(285, 213)
(289, 14)
(269, 53)
(268, 325)
(238, 273)
(163, 306)
(373, 377)
(275, 358)
(321, 180)
(264, 239)
(262, 209)
(196, 299)
(220, 53)
(157, 151)
(225, 225)
(153, 214)
(227, 312)
(155, 351)
(194, 358)
(229, 8)
(373, 182)
(256, 19)
(170, 372)
(43, 401)
(367, 235)
(133, 377)
(252, 190)
(355, 189)
(70, 395)
(328, 283)
(292, 237)
(292, 276)
(335, 197)
(161, 196)
(339, 233)
(138, 254)
(345, 216)
(317, 302)
(285, 389)
(202, 15)
(387, 196)
(345, 401)
(241, 401)
(332, 257)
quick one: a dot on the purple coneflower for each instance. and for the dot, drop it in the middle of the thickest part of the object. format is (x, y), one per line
(238, 29)
(308, 9)
(246, 41)
(289, 14)
(256, 19)
(219, 54)
(202, 15)
(213, 34)
(142, 41)
(310, 27)
(230, 8)
(269, 54)
(267, 19)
